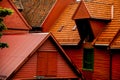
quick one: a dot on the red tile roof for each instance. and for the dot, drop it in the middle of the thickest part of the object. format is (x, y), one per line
(67, 35)
(16, 20)
(21, 47)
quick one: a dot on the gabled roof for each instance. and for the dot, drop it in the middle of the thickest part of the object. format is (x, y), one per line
(21, 48)
(95, 10)
(16, 20)
(35, 11)
(64, 29)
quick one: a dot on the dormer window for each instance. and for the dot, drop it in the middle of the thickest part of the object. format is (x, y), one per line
(85, 30)
(60, 29)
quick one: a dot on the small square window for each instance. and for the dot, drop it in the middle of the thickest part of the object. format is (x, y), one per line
(74, 28)
(60, 29)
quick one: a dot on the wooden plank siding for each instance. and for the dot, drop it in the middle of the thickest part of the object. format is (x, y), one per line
(101, 63)
(46, 62)
(28, 70)
(116, 66)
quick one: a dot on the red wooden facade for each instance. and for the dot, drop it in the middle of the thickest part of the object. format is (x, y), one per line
(105, 29)
(43, 58)
(46, 62)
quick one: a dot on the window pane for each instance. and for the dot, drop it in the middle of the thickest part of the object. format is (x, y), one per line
(88, 58)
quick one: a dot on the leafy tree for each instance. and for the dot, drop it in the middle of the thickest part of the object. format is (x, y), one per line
(3, 13)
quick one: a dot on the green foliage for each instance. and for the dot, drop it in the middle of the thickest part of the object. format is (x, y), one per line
(3, 45)
(3, 13)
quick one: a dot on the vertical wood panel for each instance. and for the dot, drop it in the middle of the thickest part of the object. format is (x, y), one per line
(52, 64)
(47, 64)
(101, 64)
(42, 64)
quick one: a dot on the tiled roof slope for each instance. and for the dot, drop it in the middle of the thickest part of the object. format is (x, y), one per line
(111, 30)
(116, 42)
(35, 11)
(15, 21)
(18, 4)
(99, 10)
(66, 36)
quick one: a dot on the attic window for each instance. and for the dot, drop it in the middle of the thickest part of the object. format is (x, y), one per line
(60, 29)
(74, 28)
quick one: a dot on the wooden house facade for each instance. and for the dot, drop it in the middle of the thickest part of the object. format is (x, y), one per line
(32, 55)
(35, 56)
(93, 45)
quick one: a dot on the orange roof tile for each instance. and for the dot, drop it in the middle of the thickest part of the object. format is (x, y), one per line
(116, 42)
(35, 11)
(111, 30)
(16, 20)
(99, 10)
(67, 35)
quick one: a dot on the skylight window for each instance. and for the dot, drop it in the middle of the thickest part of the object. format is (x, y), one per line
(74, 28)
(60, 29)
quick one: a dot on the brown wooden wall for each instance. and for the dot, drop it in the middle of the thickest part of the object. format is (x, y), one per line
(116, 66)
(28, 70)
(55, 12)
(101, 63)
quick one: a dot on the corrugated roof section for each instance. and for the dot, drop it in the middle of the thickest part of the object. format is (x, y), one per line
(111, 30)
(20, 47)
(64, 29)
(16, 20)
